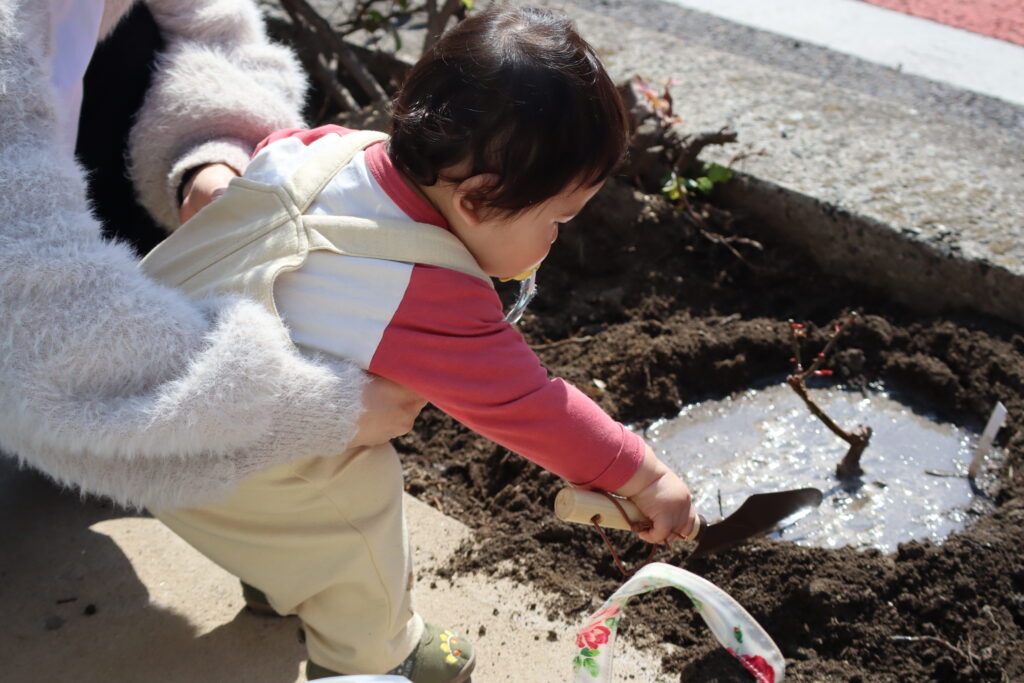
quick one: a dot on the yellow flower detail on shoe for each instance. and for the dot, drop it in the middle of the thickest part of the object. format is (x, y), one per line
(448, 642)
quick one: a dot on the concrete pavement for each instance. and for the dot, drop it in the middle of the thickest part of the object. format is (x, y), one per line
(914, 45)
(93, 594)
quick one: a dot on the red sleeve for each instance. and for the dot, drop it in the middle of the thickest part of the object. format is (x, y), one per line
(307, 135)
(448, 341)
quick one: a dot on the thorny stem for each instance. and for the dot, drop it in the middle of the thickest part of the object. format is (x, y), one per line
(857, 438)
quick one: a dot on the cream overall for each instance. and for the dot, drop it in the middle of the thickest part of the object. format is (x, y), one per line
(325, 537)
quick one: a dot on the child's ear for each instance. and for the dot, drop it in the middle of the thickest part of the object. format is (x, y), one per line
(470, 210)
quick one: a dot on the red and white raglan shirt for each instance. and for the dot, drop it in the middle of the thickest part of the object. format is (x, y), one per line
(437, 331)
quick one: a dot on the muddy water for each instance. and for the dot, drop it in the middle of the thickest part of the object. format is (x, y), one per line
(914, 486)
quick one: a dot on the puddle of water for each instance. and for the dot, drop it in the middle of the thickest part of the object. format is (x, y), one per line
(766, 440)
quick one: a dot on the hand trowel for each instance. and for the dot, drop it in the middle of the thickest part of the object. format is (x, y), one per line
(759, 514)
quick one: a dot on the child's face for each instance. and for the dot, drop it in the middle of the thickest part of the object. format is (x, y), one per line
(505, 246)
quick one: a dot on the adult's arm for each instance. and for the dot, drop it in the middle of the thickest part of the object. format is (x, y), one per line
(220, 87)
(108, 381)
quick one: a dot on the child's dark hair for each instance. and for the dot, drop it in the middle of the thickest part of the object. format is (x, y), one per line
(514, 92)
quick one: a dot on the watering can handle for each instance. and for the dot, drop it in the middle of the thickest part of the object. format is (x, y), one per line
(581, 506)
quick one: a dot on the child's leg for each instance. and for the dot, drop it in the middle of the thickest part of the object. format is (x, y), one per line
(324, 538)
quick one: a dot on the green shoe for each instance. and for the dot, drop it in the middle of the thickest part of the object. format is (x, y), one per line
(440, 657)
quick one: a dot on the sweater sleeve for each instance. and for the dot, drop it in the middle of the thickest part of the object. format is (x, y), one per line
(448, 341)
(109, 382)
(220, 87)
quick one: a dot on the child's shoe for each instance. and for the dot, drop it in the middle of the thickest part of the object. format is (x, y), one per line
(440, 657)
(256, 601)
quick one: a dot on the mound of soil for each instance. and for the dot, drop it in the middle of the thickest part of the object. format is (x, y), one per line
(664, 308)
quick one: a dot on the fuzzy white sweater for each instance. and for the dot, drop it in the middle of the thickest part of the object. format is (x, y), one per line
(108, 381)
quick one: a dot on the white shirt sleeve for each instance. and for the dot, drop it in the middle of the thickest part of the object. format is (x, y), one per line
(74, 31)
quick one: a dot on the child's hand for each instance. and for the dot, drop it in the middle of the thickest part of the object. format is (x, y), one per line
(206, 185)
(663, 497)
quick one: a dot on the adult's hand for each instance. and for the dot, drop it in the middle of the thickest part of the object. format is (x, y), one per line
(203, 187)
(391, 410)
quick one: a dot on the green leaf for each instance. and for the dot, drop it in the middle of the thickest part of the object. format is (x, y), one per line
(717, 173)
(468, 4)
(738, 632)
(612, 622)
(577, 662)
(704, 185)
(588, 652)
(591, 666)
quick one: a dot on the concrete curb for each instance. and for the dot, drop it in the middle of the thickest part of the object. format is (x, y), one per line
(919, 274)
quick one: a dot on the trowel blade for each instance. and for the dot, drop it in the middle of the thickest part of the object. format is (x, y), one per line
(759, 514)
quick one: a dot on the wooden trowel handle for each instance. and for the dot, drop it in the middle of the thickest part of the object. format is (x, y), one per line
(580, 506)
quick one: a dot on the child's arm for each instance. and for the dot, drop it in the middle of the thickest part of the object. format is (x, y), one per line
(663, 497)
(442, 334)
(447, 341)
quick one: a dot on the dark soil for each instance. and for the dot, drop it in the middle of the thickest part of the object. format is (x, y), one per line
(637, 296)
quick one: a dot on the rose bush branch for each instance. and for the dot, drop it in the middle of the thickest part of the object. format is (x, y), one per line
(857, 438)
(658, 146)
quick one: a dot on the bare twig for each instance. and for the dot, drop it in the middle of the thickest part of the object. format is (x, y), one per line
(690, 146)
(745, 154)
(437, 19)
(328, 78)
(727, 241)
(358, 22)
(858, 438)
(968, 656)
(332, 46)
(560, 342)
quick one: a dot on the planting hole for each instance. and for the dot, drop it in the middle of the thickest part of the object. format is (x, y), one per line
(914, 485)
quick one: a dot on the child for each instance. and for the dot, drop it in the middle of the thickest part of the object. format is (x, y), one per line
(381, 251)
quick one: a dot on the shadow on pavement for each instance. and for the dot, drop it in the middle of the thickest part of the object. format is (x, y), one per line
(95, 593)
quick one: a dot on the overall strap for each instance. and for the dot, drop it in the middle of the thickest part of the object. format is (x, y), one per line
(405, 241)
(390, 240)
(332, 153)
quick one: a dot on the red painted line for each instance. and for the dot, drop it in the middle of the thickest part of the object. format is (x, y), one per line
(1002, 19)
